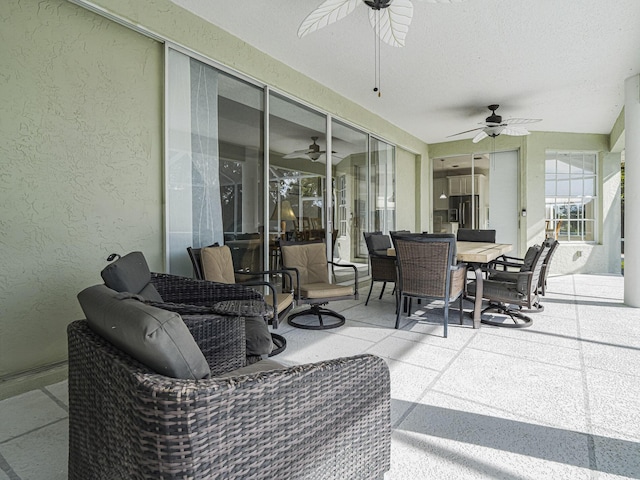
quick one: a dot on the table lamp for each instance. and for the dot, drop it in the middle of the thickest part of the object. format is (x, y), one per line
(286, 214)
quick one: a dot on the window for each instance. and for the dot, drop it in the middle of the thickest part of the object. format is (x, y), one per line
(570, 195)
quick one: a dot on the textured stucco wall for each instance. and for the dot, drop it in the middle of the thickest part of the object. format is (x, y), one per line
(80, 153)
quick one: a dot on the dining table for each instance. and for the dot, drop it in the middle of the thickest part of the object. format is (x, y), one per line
(475, 254)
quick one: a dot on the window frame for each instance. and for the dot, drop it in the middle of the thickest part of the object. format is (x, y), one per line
(582, 209)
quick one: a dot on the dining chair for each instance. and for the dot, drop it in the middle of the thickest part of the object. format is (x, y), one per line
(427, 269)
(383, 267)
(510, 293)
(476, 235)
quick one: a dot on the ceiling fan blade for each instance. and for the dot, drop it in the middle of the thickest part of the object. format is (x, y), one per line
(327, 13)
(394, 22)
(466, 131)
(517, 121)
(297, 154)
(515, 131)
(481, 136)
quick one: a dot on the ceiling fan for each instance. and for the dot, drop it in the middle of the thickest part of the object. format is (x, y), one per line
(389, 18)
(313, 152)
(494, 126)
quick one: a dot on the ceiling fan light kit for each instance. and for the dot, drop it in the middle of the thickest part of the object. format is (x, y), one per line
(494, 126)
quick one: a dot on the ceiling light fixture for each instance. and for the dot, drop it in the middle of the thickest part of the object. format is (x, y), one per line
(443, 195)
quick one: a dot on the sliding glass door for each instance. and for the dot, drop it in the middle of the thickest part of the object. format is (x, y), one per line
(315, 185)
(214, 161)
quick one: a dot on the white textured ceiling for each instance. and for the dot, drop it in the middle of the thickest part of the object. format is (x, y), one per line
(564, 61)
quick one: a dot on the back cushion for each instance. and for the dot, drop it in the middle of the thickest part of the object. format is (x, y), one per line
(310, 260)
(131, 274)
(217, 264)
(379, 242)
(157, 338)
(529, 257)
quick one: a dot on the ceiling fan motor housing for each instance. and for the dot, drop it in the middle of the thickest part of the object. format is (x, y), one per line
(378, 4)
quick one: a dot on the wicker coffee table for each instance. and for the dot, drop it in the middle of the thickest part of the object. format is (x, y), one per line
(251, 308)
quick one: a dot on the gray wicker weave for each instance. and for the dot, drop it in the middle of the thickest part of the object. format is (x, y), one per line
(426, 270)
(328, 420)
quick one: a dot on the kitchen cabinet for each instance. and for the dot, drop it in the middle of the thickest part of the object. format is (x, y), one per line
(466, 184)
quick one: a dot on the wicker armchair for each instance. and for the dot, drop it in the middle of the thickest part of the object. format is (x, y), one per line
(327, 420)
(183, 295)
(426, 269)
(383, 267)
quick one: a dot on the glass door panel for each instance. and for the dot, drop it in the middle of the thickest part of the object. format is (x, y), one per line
(382, 186)
(297, 171)
(214, 163)
(349, 172)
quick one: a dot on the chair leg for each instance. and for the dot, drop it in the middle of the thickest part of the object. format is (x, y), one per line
(318, 311)
(461, 311)
(446, 317)
(384, 284)
(370, 288)
(398, 310)
(519, 320)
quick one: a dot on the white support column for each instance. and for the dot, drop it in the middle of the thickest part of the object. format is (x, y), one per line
(632, 192)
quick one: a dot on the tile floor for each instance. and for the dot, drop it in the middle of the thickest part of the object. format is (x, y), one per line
(558, 400)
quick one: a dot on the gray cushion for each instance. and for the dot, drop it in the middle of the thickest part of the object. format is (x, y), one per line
(258, 337)
(157, 338)
(529, 257)
(131, 274)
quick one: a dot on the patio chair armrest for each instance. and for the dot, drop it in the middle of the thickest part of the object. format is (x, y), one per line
(355, 270)
(296, 289)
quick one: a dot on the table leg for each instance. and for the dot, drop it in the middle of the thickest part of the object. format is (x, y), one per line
(477, 306)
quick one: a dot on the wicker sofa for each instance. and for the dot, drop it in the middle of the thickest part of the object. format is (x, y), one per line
(326, 420)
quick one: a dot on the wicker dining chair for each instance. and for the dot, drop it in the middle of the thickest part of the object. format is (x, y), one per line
(383, 267)
(426, 269)
(330, 419)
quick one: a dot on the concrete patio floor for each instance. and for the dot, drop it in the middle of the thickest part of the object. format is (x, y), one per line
(560, 399)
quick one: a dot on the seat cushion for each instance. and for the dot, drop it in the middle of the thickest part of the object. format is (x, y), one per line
(324, 290)
(131, 274)
(157, 338)
(284, 301)
(217, 264)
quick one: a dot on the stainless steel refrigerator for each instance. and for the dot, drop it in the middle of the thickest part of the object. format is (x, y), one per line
(461, 208)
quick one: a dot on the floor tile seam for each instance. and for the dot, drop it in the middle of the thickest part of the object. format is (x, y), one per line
(58, 402)
(432, 383)
(591, 447)
(529, 340)
(29, 432)
(632, 376)
(541, 362)
(395, 332)
(6, 468)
